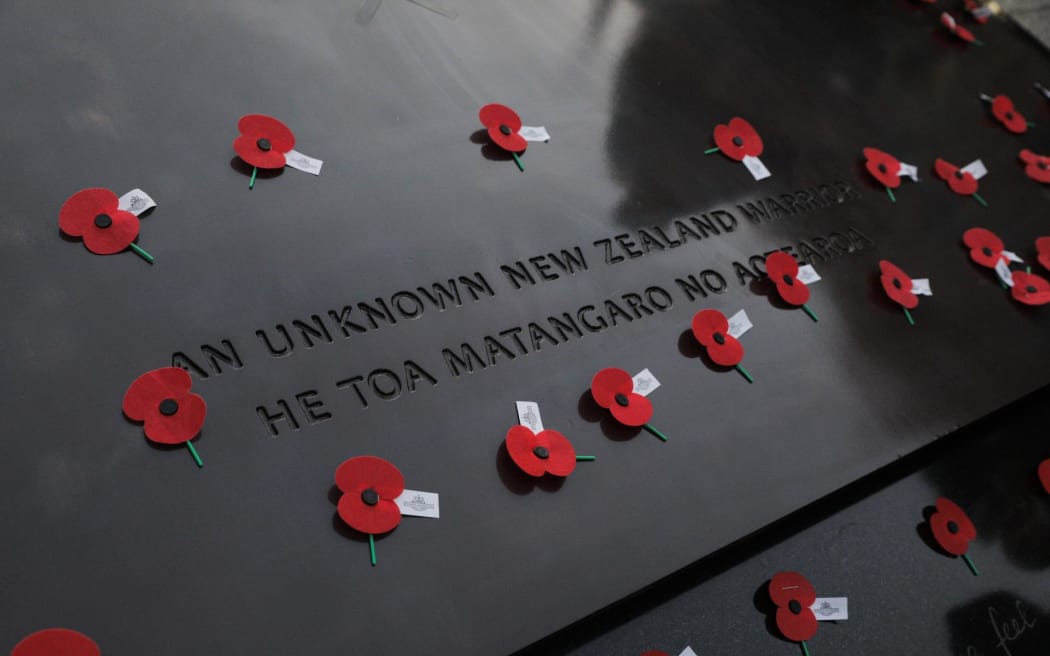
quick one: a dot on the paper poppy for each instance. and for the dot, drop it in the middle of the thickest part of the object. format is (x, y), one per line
(1037, 167)
(1003, 110)
(1030, 289)
(883, 166)
(56, 642)
(958, 30)
(94, 215)
(1044, 474)
(738, 139)
(613, 389)
(783, 271)
(952, 529)
(961, 182)
(985, 246)
(711, 329)
(536, 454)
(503, 125)
(263, 141)
(1042, 247)
(898, 285)
(170, 412)
(979, 12)
(794, 596)
(369, 486)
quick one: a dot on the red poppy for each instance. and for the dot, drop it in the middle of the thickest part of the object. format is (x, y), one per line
(1038, 166)
(738, 139)
(961, 182)
(783, 271)
(93, 215)
(1030, 289)
(711, 328)
(263, 141)
(979, 12)
(956, 29)
(1042, 246)
(986, 248)
(897, 284)
(162, 400)
(546, 452)
(793, 596)
(1003, 109)
(56, 642)
(655, 652)
(614, 389)
(885, 167)
(1044, 475)
(369, 485)
(952, 529)
(503, 124)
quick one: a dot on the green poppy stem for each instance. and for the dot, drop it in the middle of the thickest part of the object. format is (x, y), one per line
(372, 548)
(655, 432)
(712, 150)
(890, 192)
(980, 200)
(805, 649)
(251, 183)
(911, 322)
(517, 160)
(809, 312)
(743, 372)
(584, 458)
(973, 568)
(193, 452)
(141, 253)
(978, 42)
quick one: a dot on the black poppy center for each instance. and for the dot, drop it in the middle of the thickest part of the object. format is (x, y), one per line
(370, 496)
(505, 129)
(621, 400)
(719, 338)
(897, 283)
(882, 168)
(263, 144)
(738, 141)
(1042, 165)
(1009, 116)
(987, 251)
(788, 279)
(168, 407)
(103, 221)
(959, 175)
(953, 527)
(541, 452)
(1030, 289)
(794, 606)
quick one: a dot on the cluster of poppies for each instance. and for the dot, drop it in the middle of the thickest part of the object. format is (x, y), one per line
(989, 251)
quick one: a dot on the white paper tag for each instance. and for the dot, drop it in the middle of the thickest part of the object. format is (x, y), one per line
(986, 98)
(739, 324)
(756, 168)
(830, 609)
(419, 504)
(807, 274)
(529, 415)
(921, 286)
(688, 651)
(976, 169)
(1013, 257)
(981, 12)
(1043, 90)
(947, 19)
(909, 171)
(135, 201)
(1002, 268)
(304, 163)
(538, 133)
(645, 382)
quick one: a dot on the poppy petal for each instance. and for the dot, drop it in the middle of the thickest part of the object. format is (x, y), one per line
(738, 139)
(247, 148)
(753, 145)
(781, 264)
(1003, 109)
(123, 229)
(384, 516)
(513, 142)
(56, 642)
(800, 627)
(1030, 289)
(947, 517)
(152, 387)
(609, 382)
(562, 458)
(259, 126)
(637, 412)
(495, 115)
(728, 354)
(1044, 474)
(897, 285)
(1042, 246)
(708, 322)
(944, 169)
(362, 472)
(520, 443)
(787, 586)
(884, 167)
(794, 293)
(1028, 156)
(985, 246)
(78, 213)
